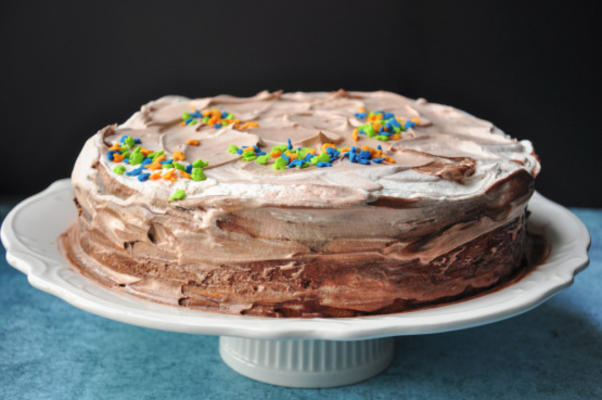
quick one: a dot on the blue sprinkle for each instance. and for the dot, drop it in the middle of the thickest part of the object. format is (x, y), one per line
(409, 124)
(379, 112)
(135, 172)
(257, 149)
(239, 151)
(217, 126)
(122, 140)
(363, 161)
(332, 152)
(388, 115)
(361, 115)
(260, 153)
(146, 161)
(296, 163)
(353, 149)
(384, 133)
(395, 123)
(189, 169)
(224, 114)
(110, 154)
(126, 160)
(196, 114)
(286, 158)
(364, 154)
(345, 154)
(290, 145)
(379, 147)
(323, 164)
(378, 160)
(143, 177)
(166, 161)
(137, 141)
(308, 157)
(188, 121)
(352, 157)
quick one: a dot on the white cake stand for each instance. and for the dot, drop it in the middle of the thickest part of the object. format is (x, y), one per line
(296, 352)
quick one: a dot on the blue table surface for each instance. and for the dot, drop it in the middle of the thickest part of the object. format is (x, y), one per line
(52, 350)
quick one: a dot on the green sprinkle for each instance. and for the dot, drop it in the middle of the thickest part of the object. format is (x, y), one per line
(382, 137)
(119, 169)
(248, 156)
(281, 148)
(179, 166)
(280, 163)
(263, 160)
(200, 164)
(185, 116)
(179, 194)
(167, 166)
(126, 154)
(205, 119)
(230, 116)
(323, 157)
(314, 160)
(232, 149)
(193, 122)
(129, 142)
(136, 158)
(197, 174)
(156, 154)
(369, 130)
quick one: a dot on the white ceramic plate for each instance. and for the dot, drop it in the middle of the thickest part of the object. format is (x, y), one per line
(30, 233)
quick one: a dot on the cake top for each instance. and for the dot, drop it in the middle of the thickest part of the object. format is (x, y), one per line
(304, 149)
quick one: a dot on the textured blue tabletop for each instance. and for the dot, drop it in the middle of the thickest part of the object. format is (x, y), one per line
(51, 350)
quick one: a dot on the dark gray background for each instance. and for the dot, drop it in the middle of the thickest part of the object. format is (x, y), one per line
(68, 69)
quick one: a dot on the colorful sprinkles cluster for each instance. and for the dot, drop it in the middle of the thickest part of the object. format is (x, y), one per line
(382, 125)
(215, 119)
(153, 165)
(284, 156)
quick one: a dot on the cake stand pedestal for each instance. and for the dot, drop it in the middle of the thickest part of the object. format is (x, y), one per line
(296, 352)
(307, 363)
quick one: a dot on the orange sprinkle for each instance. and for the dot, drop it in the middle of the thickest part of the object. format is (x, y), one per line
(275, 153)
(215, 113)
(344, 149)
(116, 146)
(213, 120)
(397, 136)
(312, 151)
(389, 159)
(416, 120)
(327, 145)
(248, 149)
(179, 156)
(156, 175)
(292, 156)
(146, 152)
(154, 165)
(372, 150)
(160, 158)
(193, 142)
(362, 109)
(376, 126)
(252, 124)
(170, 175)
(354, 136)
(206, 113)
(182, 123)
(118, 157)
(184, 174)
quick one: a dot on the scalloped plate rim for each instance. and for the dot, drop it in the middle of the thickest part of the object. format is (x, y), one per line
(546, 280)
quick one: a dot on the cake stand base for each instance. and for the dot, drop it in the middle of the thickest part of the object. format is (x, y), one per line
(306, 363)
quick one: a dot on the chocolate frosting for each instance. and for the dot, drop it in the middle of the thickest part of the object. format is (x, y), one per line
(456, 180)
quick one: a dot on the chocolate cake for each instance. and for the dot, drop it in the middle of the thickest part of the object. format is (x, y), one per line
(301, 204)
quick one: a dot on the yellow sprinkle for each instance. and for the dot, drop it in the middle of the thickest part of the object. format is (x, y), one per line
(389, 159)
(362, 109)
(116, 146)
(354, 136)
(416, 120)
(327, 145)
(179, 156)
(193, 142)
(248, 149)
(206, 113)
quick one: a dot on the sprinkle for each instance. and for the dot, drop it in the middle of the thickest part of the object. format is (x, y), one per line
(217, 126)
(198, 174)
(143, 177)
(281, 148)
(326, 146)
(118, 157)
(360, 115)
(179, 194)
(189, 168)
(382, 137)
(378, 160)
(249, 156)
(119, 169)
(129, 141)
(280, 163)
(354, 135)
(179, 166)
(116, 146)
(170, 175)
(110, 154)
(263, 160)
(275, 154)
(290, 145)
(179, 156)
(323, 164)
(146, 161)
(156, 175)
(193, 142)
(136, 158)
(247, 149)
(184, 174)
(135, 172)
(146, 152)
(168, 166)
(200, 164)
(232, 149)
(397, 136)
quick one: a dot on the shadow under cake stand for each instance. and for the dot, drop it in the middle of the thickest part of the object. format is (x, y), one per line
(295, 352)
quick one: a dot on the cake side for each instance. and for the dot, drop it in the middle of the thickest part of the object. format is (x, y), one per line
(444, 219)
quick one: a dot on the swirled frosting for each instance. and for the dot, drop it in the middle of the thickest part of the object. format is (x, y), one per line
(456, 179)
